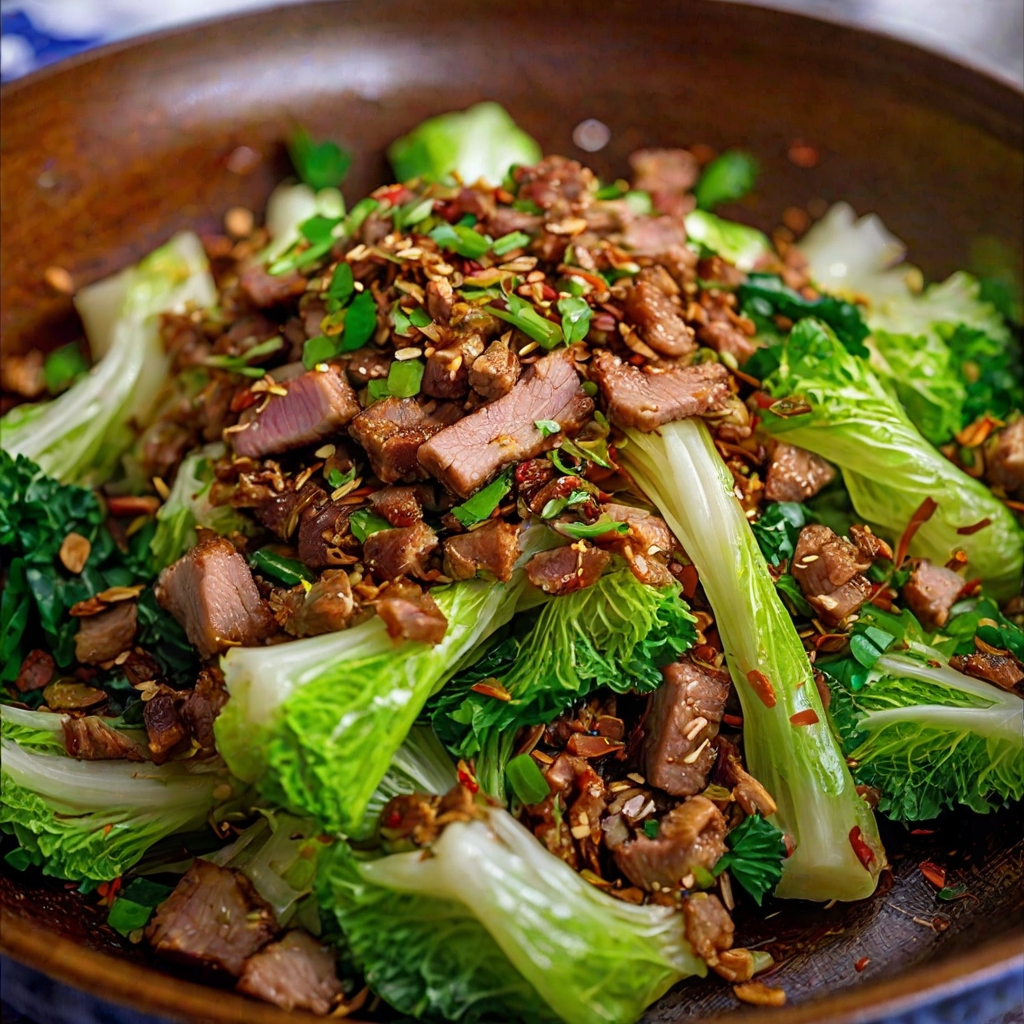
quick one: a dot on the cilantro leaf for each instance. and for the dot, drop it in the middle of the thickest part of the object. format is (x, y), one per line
(318, 164)
(755, 855)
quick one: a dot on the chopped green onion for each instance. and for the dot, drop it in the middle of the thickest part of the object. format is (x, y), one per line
(461, 239)
(558, 505)
(420, 317)
(603, 526)
(339, 291)
(513, 240)
(589, 388)
(364, 523)
(526, 206)
(479, 507)
(651, 829)
(413, 212)
(404, 377)
(63, 367)
(547, 428)
(318, 229)
(318, 350)
(401, 320)
(360, 322)
(728, 177)
(359, 213)
(319, 164)
(639, 203)
(527, 780)
(615, 190)
(703, 879)
(575, 318)
(593, 451)
(378, 389)
(529, 321)
(240, 364)
(288, 571)
(135, 905)
(467, 220)
(337, 479)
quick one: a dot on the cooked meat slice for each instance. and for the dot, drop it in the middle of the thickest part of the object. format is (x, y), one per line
(411, 614)
(870, 546)
(214, 918)
(556, 184)
(245, 333)
(104, 636)
(655, 236)
(401, 506)
(682, 720)
(689, 836)
(830, 571)
(326, 607)
(366, 364)
(564, 570)
(563, 487)
(295, 973)
(321, 533)
(1004, 458)
(202, 706)
(36, 671)
(492, 548)
(658, 320)
(494, 373)
(398, 552)
(392, 431)
(709, 927)
(726, 338)
(280, 512)
(795, 474)
(505, 220)
(164, 726)
(668, 174)
(211, 592)
(316, 405)
(647, 546)
(655, 395)
(467, 454)
(681, 263)
(994, 668)
(440, 299)
(91, 739)
(447, 371)
(264, 290)
(930, 593)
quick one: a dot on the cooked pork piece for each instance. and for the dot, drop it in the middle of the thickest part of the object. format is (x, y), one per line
(295, 973)
(830, 572)
(411, 614)
(202, 706)
(1000, 669)
(491, 548)
(325, 607)
(1004, 459)
(795, 474)
(402, 506)
(91, 739)
(447, 371)
(646, 547)
(567, 569)
(322, 529)
(494, 373)
(404, 551)
(930, 593)
(658, 320)
(104, 636)
(164, 726)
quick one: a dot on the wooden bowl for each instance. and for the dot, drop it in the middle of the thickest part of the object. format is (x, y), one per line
(104, 156)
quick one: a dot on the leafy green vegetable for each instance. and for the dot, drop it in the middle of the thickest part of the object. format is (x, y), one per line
(134, 906)
(461, 239)
(318, 164)
(727, 178)
(522, 315)
(340, 290)
(787, 585)
(734, 242)
(778, 528)
(981, 618)
(359, 322)
(405, 377)
(64, 366)
(556, 506)
(992, 366)
(480, 506)
(364, 523)
(756, 853)
(513, 240)
(603, 526)
(548, 428)
(288, 571)
(527, 780)
(242, 363)
(575, 318)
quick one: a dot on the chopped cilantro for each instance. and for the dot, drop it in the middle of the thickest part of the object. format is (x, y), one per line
(513, 240)
(364, 523)
(318, 164)
(461, 239)
(575, 318)
(480, 506)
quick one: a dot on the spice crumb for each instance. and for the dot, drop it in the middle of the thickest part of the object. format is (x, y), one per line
(239, 222)
(759, 994)
(74, 552)
(59, 280)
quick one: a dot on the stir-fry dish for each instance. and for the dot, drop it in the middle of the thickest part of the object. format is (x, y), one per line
(459, 603)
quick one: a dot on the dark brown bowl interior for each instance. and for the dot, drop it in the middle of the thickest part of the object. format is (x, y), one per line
(105, 156)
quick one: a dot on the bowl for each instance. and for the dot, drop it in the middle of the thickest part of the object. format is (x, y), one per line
(108, 154)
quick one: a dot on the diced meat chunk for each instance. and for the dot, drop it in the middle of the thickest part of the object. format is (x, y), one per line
(23, 374)
(830, 571)
(326, 607)
(467, 454)
(36, 671)
(447, 371)
(211, 592)
(264, 290)
(201, 708)
(646, 547)
(561, 488)
(104, 636)
(295, 973)
(91, 739)
(392, 431)
(668, 174)
(795, 474)
(682, 720)
(575, 785)
(691, 835)
(280, 512)
(366, 364)
(658, 320)
(565, 570)
(1000, 669)
(709, 927)
(321, 532)
(650, 397)
(411, 614)
(505, 220)
(871, 547)
(726, 338)
(494, 373)
(164, 727)
(930, 593)
(556, 184)
(404, 551)
(492, 548)
(316, 405)
(655, 236)
(1004, 458)
(401, 506)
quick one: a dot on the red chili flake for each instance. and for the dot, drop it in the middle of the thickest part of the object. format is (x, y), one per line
(861, 964)
(924, 512)
(923, 831)
(935, 873)
(806, 717)
(761, 685)
(864, 852)
(243, 399)
(763, 399)
(394, 819)
(467, 779)
(957, 560)
(394, 194)
(548, 293)
(583, 745)
(966, 531)
(790, 844)
(107, 829)
(103, 888)
(803, 154)
(132, 505)
(970, 589)
(689, 578)
(491, 688)
(977, 433)
(736, 721)
(636, 360)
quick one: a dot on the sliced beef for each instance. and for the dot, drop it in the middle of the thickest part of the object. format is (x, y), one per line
(1004, 459)
(447, 371)
(392, 431)
(316, 405)
(930, 593)
(655, 236)
(201, 708)
(646, 548)
(689, 836)
(164, 726)
(709, 927)
(682, 720)
(366, 364)
(556, 184)
(91, 739)
(103, 637)
(658, 320)
(295, 973)
(830, 572)
(214, 918)
(280, 512)
(795, 474)
(466, 455)
(491, 548)
(404, 551)
(1000, 669)
(36, 671)
(649, 397)
(494, 373)
(211, 592)
(264, 290)
(871, 547)
(327, 606)
(411, 614)
(668, 175)
(401, 506)
(726, 338)
(322, 531)
(565, 570)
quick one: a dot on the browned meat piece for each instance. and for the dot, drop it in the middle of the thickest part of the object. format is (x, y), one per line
(104, 636)
(466, 455)
(563, 487)
(264, 290)
(140, 667)
(681, 263)
(375, 229)
(830, 571)
(727, 338)
(574, 785)
(655, 395)
(401, 506)
(214, 918)
(296, 973)
(556, 184)
(1004, 459)
(994, 668)
(505, 220)
(393, 430)
(36, 671)
(492, 548)
(795, 474)
(280, 512)
(440, 299)
(419, 817)
(709, 927)
(366, 364)
(668, 174)
(495, 372)
(91, 739)
(164, 726)
(870, 546)
(398, 552)
(211, 592)
(658, 276)
(689, 836)
(930, 592)
(531, 475)
(202, 706)
(411, 614)
(564, 570)
(659, 321)
(682, 720)
(447, 372)
(321, 533)
(22, 375)
(245, 333)
(316, 405)
(326, 607)
(646, 548)
(655, 236)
